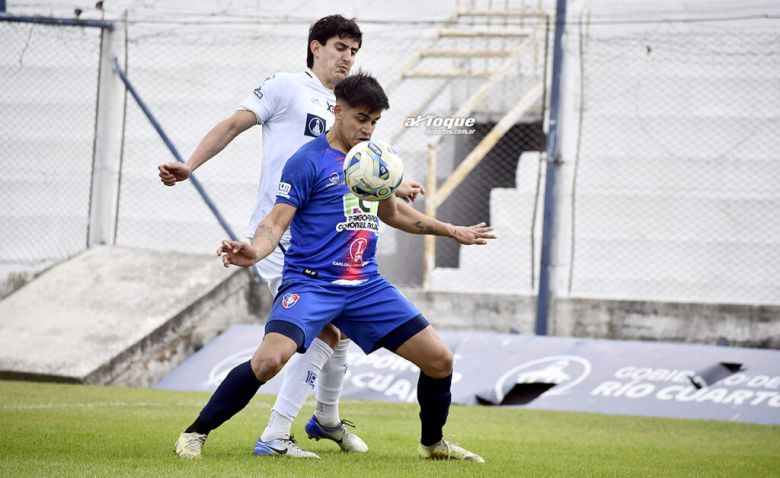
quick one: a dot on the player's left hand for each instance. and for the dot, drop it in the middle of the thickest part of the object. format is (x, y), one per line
(409, 189)
(237, 253)
(476, 234)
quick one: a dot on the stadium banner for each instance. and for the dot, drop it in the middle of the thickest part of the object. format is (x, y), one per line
(553, 373)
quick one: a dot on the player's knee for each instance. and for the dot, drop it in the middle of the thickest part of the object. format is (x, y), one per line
(265, 367)
(330, 335)
(440, 364)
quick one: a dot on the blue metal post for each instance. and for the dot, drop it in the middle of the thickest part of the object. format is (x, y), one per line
(553, 159)
(173, 151)
(2, 6)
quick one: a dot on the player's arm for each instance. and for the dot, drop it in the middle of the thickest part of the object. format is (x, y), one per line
(215, 141)
(267, 236)
(408, 219)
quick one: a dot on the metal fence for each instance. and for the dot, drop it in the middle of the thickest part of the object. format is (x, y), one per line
(669, 167)
(48, 92)
(675, 193)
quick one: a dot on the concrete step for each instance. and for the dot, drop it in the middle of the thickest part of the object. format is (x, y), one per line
(117, 315)
(506, 264)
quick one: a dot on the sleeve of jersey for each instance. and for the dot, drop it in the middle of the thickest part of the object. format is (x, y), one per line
(267, 101)
(298, 177)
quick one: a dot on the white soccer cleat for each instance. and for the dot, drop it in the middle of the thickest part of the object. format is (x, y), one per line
(339, 434)
(445, 450)
(282, 447)
(189, 445)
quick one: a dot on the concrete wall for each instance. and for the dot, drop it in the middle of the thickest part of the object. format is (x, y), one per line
(724, 324)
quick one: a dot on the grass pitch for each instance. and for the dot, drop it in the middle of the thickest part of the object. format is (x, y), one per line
(72, 430)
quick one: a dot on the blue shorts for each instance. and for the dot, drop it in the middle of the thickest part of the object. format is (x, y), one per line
(366, 313)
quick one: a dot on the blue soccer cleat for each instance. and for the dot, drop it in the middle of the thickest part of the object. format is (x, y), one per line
(345, 439)
(282, 447)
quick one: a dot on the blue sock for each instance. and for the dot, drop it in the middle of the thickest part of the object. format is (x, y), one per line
(232, 395)
(434, 397)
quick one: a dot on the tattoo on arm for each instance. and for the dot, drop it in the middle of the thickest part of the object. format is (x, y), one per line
(423, 229)
(268, 233)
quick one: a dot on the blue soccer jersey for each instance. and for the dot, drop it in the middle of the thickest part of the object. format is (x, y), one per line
(334, 232)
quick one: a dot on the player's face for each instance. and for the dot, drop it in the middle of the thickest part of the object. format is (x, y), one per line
(356, 124)
(333, 61)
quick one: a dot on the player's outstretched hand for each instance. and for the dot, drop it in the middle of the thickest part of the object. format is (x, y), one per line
(173, 172)
(409, 189)
(237, 253)
(476, 234)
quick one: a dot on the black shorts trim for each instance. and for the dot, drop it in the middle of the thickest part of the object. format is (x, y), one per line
(289, 330)
(399, 335)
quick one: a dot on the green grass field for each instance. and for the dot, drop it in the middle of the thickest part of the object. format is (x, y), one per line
(70, 430)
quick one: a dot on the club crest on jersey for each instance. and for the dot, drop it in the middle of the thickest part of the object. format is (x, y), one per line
(315, 126)
(289, 300)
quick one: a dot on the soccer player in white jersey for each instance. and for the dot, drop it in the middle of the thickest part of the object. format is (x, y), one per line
(293, 109)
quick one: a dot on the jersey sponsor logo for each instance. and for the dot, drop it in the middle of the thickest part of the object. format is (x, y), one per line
(284, 190)
(356, 250)
(315, 126)
(323, 103)
(359, 215)
(289, 300)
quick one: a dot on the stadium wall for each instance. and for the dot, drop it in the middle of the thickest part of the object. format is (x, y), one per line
(721, 324)
(707, 256)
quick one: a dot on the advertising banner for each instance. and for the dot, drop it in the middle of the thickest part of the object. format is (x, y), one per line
(553, 373)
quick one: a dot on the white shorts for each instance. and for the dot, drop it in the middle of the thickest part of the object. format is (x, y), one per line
(270, 268)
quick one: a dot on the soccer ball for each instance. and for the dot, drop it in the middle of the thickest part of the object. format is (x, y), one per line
(373, 170)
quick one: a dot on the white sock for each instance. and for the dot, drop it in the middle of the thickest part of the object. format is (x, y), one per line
(328, 389)
(300, 374)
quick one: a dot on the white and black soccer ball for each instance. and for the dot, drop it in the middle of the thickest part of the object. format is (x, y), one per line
(373, 170)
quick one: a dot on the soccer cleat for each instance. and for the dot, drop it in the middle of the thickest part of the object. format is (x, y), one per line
(282, 447)
(445, 450)
(189, 445)
(339, 434)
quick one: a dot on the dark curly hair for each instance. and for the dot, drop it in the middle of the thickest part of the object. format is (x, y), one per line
(362, 90)
(331, 26)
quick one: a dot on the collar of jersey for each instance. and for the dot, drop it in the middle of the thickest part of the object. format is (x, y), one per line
(315, 81)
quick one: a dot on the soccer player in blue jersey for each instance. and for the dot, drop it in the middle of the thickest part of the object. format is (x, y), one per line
(324, 282)
(293, 109)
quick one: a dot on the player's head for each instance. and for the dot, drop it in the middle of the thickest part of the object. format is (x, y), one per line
(360, 101)
(333, 43)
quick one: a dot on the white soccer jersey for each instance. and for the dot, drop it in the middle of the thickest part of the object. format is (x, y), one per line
(293, 109)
